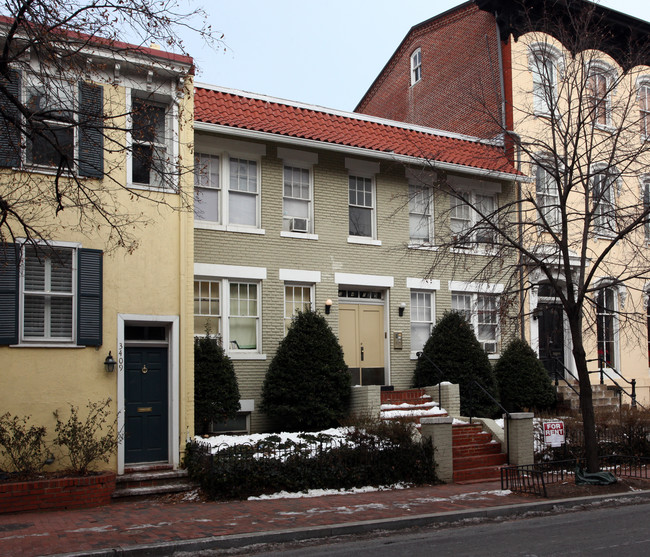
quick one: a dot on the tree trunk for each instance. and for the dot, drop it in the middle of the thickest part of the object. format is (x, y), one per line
(586, 398)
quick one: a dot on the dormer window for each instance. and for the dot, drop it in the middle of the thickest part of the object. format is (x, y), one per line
(416, 66)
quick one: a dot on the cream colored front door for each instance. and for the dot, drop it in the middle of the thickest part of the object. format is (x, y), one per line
(361, 333)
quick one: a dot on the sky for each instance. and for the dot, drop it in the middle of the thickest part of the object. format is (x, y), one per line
(326, 53)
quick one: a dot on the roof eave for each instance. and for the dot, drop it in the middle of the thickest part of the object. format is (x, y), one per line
(357, 151)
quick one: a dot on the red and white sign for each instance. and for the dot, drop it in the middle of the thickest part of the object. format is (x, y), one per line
(554, 433)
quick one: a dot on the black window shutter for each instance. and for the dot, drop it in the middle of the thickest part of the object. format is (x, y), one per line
(9, 120)
(91, 133)
(9, 264)
(89, 303)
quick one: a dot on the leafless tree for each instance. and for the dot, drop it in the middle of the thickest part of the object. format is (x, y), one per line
(580, 223)
(70, 136)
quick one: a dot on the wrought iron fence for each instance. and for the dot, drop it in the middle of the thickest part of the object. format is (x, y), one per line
(533, 478)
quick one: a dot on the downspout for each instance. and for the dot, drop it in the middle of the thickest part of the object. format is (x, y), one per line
(507, 123)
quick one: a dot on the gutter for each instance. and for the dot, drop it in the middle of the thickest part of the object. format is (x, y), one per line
(358, 151)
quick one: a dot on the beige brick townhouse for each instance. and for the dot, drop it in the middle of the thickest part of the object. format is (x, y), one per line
(299, 206)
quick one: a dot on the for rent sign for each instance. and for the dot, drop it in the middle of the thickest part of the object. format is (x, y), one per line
(554, 433)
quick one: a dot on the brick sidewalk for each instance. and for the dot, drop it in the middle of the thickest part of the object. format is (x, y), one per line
(150, 522)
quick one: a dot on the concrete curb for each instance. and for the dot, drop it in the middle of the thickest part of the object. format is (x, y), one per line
(233, 541)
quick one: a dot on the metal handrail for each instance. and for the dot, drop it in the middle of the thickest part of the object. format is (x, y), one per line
(558, 375)
(631, 382)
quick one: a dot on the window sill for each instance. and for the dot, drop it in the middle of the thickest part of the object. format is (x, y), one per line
(47, 345)
(47, 170)
(364, 241)
(494, 356)
(149, 187)
(207, 225)
(473, 251)
(299, 235)
(423, 247)
(245, 355)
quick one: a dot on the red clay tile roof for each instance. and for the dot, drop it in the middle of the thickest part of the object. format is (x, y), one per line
(228, 108)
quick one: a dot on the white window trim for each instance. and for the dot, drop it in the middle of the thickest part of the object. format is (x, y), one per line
(305, 161)
(598, 230)
(235, 273)
(535, 168)
(475, 247)
(619, 296)
(543, 51)
(364, 169)
(432, 293)
(414, 243)
(644, 187)
(300, 284)
(225, 150)
(600, 67)
(474, 290)
(353, 279)
(48, 342)
(171, 126)
(416, 66)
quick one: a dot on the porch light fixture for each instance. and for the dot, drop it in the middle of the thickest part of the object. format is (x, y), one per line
(402, 307)
(328, 306)
(109, 363)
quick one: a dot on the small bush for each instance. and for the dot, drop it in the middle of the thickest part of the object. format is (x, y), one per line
(523, 381)
(307, 385)
(24, 447)
(216, 392)
(95, 438)
(453, 347)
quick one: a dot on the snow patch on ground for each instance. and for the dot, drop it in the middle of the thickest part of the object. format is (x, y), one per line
(322, 492)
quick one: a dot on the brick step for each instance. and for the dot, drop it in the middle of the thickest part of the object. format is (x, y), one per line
(480, 461)
(471, 475)
(478, 438)
(476, 450)
(144, 482)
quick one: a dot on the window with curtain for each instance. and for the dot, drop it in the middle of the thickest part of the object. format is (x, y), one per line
(361, 206)
(243, 192)
(296, 198)
(422, 317)
(207, 188)
(297, 297)
(606, 328)
(244, 315)
(207, 307)
(548, 198)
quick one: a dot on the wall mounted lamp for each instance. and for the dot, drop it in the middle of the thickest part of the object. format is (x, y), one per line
(109, 363)
(402, 307)
(328, 306)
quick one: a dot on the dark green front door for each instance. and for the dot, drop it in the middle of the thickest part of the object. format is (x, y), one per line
(146, 421)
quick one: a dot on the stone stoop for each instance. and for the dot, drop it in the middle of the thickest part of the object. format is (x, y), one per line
(476, 457)
(145, 481)
(409, 405)
(605, 397)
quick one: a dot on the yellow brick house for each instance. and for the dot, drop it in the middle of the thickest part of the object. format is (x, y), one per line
(300, 206)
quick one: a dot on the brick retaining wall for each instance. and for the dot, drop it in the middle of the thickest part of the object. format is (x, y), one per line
(57, 493)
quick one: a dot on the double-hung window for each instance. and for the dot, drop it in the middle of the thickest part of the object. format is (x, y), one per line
(544, 63)
(599, 94)
(243, 192)
(420, 215)
(231, 309)
(297, 297)
(207, 307)
(50, 295)
(644, 109)
(207, 188)
(416, 66)
(645, 192)
(606, 324)
(603, 189)
(296, 199)
(150, 135)
(422, 318)
(361, 206)
(51, 105)
(471, 217)
(548, 198)
(481, 312)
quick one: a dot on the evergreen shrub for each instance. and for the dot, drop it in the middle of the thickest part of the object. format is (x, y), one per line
(524, 383)
(307, 384)
(453, 347)
(216, 391)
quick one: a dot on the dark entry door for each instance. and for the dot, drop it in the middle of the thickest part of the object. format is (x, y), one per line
(551, 338)
(146, 405)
